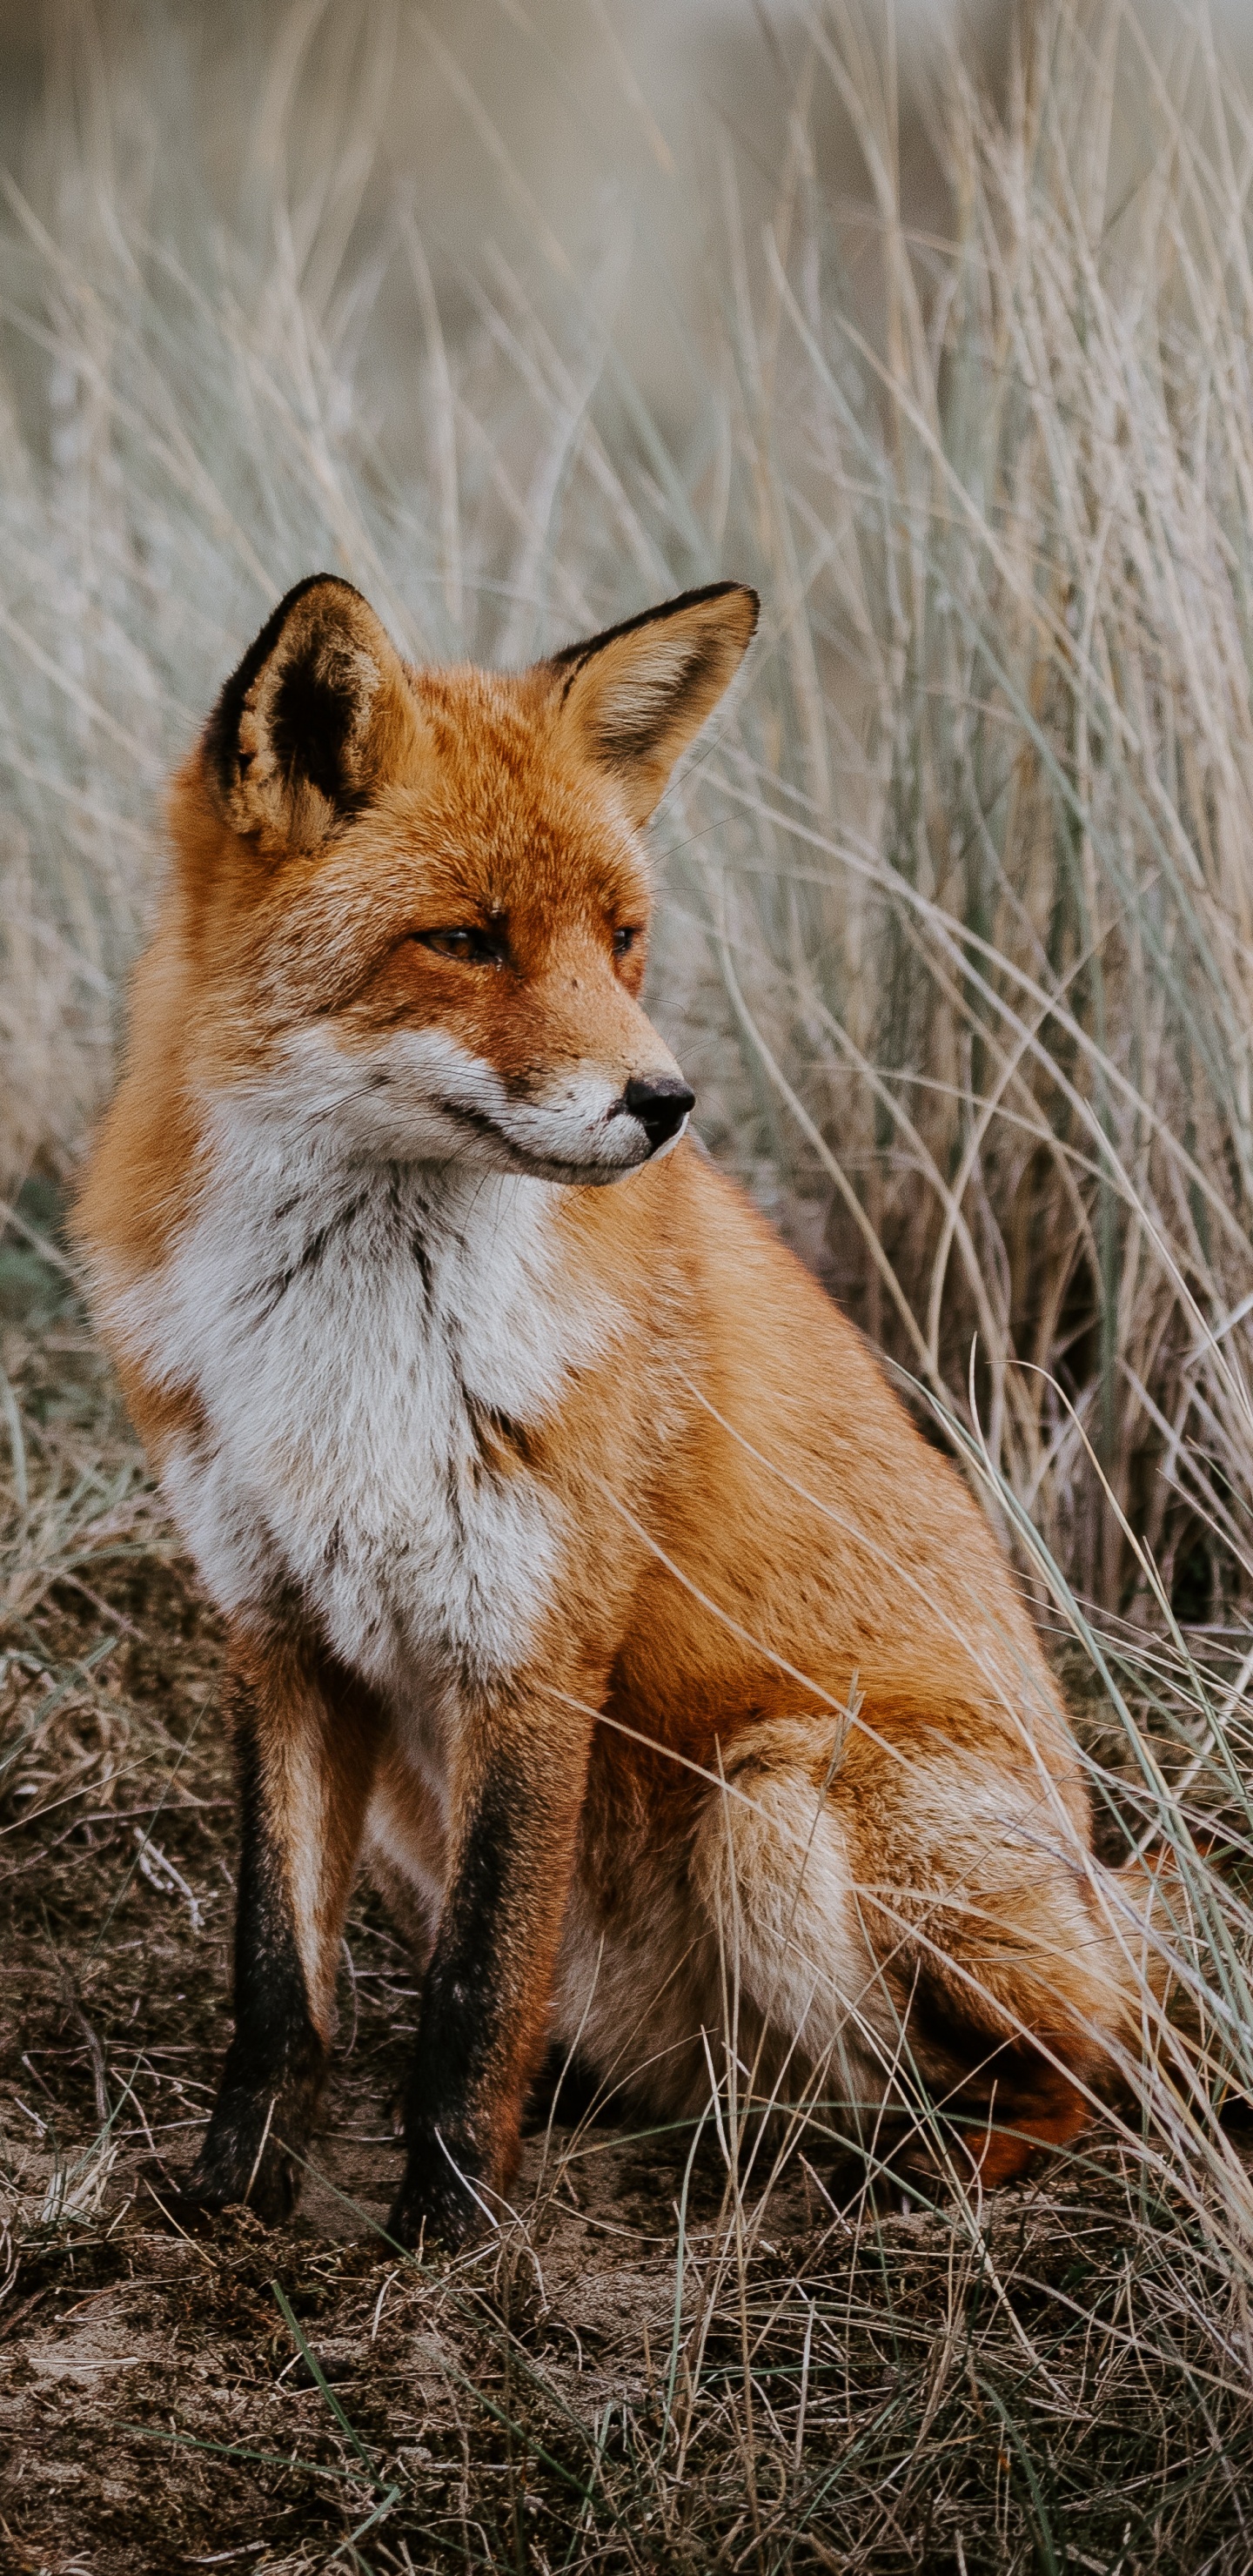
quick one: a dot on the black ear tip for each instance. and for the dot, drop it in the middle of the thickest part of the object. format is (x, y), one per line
(221, 734)
(739, 592)
(571, 657)
(730, 591)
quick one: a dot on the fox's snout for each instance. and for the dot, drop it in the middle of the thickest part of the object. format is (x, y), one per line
(581, 1122)
(593, 1064)
(661, 1104)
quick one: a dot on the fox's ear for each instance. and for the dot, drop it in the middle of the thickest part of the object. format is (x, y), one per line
(632, 699)
(318, 715)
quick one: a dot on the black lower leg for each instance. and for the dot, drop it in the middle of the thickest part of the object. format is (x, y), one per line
(461, 2119)
(276, 2062)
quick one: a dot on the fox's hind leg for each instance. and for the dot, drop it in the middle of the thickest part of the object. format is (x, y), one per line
(897, 1933)
(306, 1745)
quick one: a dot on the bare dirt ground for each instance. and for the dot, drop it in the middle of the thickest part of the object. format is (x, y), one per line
(675, 2360)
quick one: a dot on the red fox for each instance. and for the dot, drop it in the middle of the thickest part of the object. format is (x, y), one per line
(579, 1565)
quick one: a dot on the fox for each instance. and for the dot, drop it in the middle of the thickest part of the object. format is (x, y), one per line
(582, 1573)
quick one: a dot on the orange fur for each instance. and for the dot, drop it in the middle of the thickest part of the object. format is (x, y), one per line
(740, 1675)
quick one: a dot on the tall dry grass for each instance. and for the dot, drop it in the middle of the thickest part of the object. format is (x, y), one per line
(988, 951)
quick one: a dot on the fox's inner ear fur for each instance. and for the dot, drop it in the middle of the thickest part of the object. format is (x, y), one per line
(632, 699)
(317, 716)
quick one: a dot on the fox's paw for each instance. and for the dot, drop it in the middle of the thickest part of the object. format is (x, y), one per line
(246, 2161)
(443, 2199)
(191, 2202)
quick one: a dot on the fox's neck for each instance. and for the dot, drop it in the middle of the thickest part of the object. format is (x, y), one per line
(284, 1217)
(356, 1342)
(286, 1186)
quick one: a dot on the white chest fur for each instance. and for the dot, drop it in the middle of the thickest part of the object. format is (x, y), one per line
(363, 1343)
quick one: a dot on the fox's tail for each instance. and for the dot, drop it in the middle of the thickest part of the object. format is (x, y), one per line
(1156, 1909)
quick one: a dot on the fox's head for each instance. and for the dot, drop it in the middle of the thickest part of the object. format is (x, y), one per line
(420, 897)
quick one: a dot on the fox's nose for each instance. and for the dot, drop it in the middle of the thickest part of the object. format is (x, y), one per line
(660, 1107)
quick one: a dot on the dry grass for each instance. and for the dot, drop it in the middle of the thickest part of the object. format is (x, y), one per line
(957, 945)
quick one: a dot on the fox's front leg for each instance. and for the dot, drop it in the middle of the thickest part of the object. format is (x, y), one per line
(306, 1747)
(483, 2024)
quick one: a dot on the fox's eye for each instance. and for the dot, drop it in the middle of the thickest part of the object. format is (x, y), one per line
(624, 941)
(446, 943)
(469, 947)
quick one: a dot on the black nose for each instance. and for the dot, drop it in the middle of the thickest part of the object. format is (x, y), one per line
(660, 1107)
